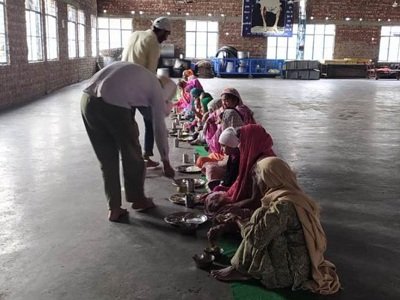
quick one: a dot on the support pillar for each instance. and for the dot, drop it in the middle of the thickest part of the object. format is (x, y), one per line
(301, 33)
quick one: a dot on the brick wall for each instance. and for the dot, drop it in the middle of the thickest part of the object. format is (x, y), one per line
(357, 41)
(22, 81)
(200, 9)
(353, 38)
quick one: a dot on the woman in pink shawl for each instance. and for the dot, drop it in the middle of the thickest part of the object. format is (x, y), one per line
(234, 114)
(255, 144)
(184, 100)
(193, 83)
(231, 98)
(211, 122)
(283, 242)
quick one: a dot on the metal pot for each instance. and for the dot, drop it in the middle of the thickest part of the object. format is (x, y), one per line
(243, 54)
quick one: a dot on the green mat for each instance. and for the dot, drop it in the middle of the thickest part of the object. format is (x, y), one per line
(201, 150)
(253, 289)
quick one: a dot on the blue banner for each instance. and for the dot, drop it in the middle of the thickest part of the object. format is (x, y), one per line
(267, 18)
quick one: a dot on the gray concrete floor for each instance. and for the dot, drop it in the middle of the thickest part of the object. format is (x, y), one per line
(341, 136)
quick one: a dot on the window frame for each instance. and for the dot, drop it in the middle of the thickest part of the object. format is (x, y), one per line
(72, 38)
(54, 17)
(5, 34)
(390, 38)
(293, 41)
(38, 14)
(81, 27)
(194, 41)
(124, 32)
(94, 48)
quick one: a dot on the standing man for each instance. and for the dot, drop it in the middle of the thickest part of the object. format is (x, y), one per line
(106, 108)
(143, 48)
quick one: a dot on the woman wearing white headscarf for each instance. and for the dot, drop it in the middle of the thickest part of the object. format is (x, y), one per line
(222, 174)
(283, 243)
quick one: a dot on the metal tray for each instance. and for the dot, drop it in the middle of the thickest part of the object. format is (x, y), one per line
(189, 169)
(198, 182)
(178, 218)
(179, 198)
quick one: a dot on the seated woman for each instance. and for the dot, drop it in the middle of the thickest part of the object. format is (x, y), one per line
(193, 82)
(186, 74)
(234, 114)
(221, 176)
(255, 143)
(229, 118)
(283, 243)
(190, 110)
(201, 110)
(205, 98)
(208, 128)
(183, 97)
(231, 99)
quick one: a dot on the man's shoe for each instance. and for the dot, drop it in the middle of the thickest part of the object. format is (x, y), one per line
(151, 163)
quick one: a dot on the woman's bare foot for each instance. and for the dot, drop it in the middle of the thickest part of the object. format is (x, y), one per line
(229, 274)
(114, 215)
(143, 205)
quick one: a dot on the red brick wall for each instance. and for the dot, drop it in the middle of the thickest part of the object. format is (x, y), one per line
(369, 10)
(199, 9)
(353, 38)
(357, 41)
(22, 81)
(234, 38)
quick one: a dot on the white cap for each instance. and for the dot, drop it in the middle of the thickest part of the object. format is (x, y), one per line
(229, 138)
(162, 23)
(168, 91)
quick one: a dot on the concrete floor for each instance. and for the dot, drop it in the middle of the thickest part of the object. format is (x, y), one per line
(341, 136)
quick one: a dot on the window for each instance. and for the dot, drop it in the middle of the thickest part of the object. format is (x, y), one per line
(201, 39)
(389, 48)
(81, 34)
(3, 35)
(113, 32)
(319, 43)
(33, 15)
(51, 29)
(94, 35)
(282, 47)
(72, 24)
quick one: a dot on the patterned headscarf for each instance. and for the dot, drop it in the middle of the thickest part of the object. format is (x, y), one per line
(231, 118)
(234, 92)
(213, 105)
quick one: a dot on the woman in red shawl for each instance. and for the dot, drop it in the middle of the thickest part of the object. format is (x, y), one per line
(255, 144)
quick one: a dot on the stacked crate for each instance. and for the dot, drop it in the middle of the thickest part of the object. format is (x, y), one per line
(302, 69)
